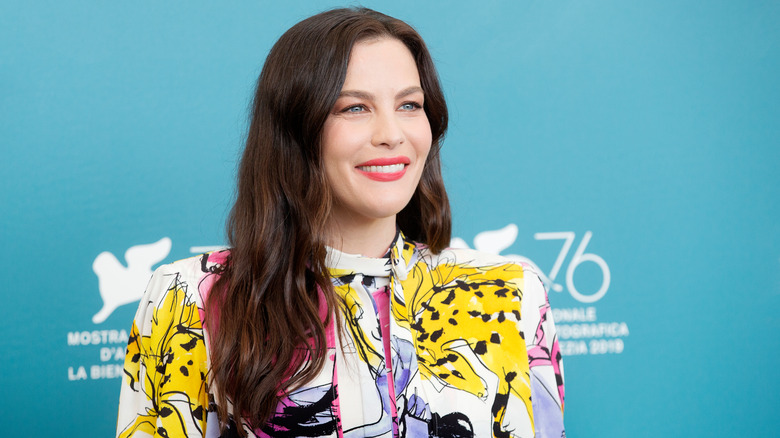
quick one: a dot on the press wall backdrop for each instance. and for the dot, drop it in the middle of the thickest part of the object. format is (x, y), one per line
(631, 150)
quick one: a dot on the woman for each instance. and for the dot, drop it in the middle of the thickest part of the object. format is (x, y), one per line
(291, 332)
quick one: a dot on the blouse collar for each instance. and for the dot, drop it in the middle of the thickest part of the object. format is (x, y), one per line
(396, 262)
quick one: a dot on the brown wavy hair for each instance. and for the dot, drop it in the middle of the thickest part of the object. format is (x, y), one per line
(267, 335)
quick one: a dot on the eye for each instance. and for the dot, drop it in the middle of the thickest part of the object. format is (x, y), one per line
(410, 106)
(354, 109)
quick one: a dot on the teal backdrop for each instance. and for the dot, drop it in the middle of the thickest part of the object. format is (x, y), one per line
(631, 150)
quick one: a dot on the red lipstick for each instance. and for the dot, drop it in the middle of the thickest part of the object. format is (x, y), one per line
(386, 161)
(384, 169)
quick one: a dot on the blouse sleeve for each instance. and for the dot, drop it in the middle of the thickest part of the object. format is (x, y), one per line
(164, 389)
(544, 357)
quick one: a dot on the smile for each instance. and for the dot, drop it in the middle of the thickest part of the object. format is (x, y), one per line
(392, 172)
(382, 169)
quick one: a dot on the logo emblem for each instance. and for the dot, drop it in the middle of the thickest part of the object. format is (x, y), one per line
(121, 284)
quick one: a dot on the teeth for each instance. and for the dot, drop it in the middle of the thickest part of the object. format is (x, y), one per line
(383, 169)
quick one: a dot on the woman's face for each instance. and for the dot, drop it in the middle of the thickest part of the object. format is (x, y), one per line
(377, 136)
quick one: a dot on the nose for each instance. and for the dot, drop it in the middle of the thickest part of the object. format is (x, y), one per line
(388, 131)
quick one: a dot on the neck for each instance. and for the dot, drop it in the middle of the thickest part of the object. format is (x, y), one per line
(370, 238)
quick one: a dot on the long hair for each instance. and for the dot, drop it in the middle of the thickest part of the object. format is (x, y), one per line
(268, 335)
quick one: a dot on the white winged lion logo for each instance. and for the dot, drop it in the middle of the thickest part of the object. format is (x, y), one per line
(123, 285)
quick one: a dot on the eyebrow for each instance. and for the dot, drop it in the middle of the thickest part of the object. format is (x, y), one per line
(368, 96)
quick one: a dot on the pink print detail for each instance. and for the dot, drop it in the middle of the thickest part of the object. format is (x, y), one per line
(540, 354)
(206, 283)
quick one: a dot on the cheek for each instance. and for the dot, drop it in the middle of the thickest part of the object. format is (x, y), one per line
(340, 142)
(333, 145)
(423, 139)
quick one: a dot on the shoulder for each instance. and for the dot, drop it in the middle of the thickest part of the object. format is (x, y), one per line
(476, 257)
(183, 283)
(477, 267)
(196, 267)
(165, 388)
(469, 259)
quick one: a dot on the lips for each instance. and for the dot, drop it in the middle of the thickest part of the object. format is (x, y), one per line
(384, 169)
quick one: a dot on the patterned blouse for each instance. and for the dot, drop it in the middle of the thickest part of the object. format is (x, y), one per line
(456, 344)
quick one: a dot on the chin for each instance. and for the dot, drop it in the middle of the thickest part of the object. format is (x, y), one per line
(393, 208)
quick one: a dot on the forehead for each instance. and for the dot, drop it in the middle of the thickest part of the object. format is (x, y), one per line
(381, 62)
